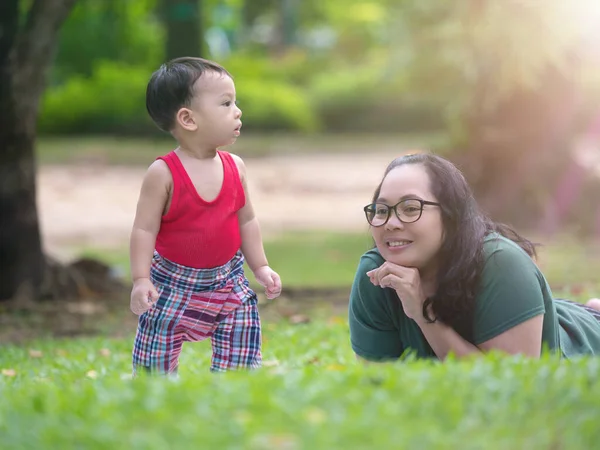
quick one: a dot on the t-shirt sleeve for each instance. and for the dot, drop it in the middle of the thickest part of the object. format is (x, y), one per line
(510, 293)
(373, 334)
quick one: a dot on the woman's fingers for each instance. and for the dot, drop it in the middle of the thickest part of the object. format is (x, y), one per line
(392, 281)
(376, 275)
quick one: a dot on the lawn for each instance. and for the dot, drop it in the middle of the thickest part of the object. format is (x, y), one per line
(303, 259)
(327, 259)
(311, 393)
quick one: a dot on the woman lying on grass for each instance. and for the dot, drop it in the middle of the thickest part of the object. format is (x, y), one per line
(444, 279)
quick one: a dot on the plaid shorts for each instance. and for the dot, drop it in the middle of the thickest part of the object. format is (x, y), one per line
(196, 304)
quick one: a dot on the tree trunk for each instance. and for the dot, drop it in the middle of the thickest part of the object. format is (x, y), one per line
(26, 53)
(183, 25)
(285, 33)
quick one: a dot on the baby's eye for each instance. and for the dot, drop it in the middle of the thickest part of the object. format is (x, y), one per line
(227, 103)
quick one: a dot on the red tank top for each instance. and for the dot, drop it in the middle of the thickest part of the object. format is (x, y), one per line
(197, 233)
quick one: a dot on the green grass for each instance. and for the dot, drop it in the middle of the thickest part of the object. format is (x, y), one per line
(311, 393)
(572, 267)
(302, 259)
(317, 259)
(125, 151)
(326, 259)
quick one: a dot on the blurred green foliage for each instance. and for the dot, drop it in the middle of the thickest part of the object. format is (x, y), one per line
(111, 99)
(126, 32)
(344, 65)
(509, 82)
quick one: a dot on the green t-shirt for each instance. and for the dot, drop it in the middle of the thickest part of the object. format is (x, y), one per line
(512, 290)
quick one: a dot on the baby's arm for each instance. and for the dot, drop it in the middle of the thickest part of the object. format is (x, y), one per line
(252, 244)
(151, 205)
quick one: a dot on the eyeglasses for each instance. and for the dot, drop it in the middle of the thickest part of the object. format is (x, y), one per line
(407, 211)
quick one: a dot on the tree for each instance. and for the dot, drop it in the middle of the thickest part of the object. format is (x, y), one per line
(509, 72)
(183, 27)
(28, 36)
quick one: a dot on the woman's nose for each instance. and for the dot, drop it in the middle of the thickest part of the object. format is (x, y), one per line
(393, 222)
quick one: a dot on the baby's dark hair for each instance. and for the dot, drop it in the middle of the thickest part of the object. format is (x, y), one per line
(171, 87)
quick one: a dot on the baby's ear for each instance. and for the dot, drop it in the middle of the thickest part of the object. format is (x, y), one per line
(186, 120)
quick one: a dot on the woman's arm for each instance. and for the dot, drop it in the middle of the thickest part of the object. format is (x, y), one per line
(519, 332)
(444, 340)
(525, 338)
(373, 334)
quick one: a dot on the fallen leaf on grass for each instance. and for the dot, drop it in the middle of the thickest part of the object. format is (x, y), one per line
(35, 353)
(104, 352)
(84, 308)
(336, 320)
(299, 318)
(275, 441)
(576, 290)
(9, 372)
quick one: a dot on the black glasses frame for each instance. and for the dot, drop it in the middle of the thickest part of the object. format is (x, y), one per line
(395, 209)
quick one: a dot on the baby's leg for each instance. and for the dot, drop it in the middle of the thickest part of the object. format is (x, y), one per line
(594, 303)
(236, 342)
(158, 339)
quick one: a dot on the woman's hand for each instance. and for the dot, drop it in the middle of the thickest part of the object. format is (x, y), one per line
(406, 281)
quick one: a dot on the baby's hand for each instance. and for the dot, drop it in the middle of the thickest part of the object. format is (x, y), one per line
(143, 295)
(268, 278)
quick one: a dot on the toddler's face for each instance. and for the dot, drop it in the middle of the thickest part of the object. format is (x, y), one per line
(214, 108)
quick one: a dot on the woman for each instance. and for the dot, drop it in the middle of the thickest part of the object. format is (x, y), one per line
(445, 279)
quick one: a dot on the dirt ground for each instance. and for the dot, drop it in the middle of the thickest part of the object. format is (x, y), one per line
(94, 206)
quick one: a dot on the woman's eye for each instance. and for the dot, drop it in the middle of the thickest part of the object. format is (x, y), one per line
(411, 211)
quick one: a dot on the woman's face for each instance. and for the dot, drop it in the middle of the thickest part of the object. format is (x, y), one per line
(409, 244)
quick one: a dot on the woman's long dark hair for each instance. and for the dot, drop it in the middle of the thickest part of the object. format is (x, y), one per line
(461, 256)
